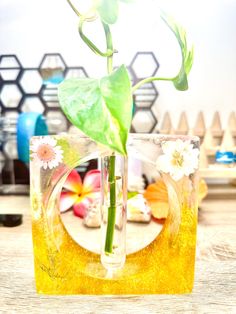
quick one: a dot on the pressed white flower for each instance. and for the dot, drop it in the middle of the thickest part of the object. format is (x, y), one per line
(46, 152)
(179, 159)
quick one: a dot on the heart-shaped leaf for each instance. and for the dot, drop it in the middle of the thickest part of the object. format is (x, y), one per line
(108, 10)
(102, 109)
(181, 80)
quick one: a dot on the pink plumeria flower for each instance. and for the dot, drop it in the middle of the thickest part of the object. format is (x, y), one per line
(80, 195)
(46, 152)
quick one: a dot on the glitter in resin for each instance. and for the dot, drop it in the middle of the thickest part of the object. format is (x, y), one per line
(62, 266)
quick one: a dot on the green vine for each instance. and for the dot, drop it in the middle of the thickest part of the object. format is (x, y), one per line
(88, 42)
(102, 109)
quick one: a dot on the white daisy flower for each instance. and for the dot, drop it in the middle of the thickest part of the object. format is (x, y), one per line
(179, 159)
(46, 153)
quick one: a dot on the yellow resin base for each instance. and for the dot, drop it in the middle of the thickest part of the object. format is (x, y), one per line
(62, 266)
(164, 266)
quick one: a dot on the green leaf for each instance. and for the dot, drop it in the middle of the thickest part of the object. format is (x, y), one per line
(180, 81)
(102, 109)
(131, 194)
(108, 10)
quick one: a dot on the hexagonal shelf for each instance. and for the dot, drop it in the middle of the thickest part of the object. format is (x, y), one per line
(146, 96)
(10, 123)
(144, 64)
(131, 75)
(52, 68)
(31, 81)
(10, 67)
(13, 115)
(56, 122)
(74, 72)
(10, 149)
(144, 121)
(35, 89)
(49, 96)
(10, 96)
(32, 104)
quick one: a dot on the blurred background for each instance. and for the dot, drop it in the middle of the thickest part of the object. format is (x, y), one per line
(40, 46)
(31, 29)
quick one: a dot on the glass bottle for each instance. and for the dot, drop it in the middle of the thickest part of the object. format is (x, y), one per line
(113, 211)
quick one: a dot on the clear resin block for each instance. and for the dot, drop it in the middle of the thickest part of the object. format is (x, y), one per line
(163, 265)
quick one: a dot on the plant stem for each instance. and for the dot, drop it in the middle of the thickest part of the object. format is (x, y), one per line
(109, 47)
(74, 8)
(148, 80)
(91, 45)
(111, 219)
(88, 18)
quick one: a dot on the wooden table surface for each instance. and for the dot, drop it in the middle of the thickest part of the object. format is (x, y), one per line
(215, 279)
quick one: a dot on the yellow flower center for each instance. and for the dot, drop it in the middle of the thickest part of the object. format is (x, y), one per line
(178, 159)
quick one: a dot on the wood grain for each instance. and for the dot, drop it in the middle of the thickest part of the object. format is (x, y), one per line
(215, 283)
